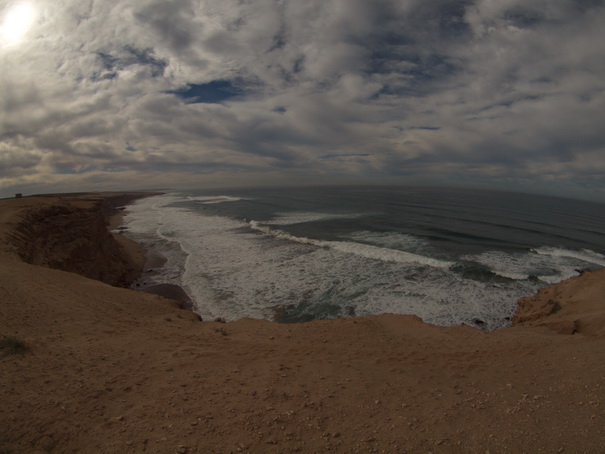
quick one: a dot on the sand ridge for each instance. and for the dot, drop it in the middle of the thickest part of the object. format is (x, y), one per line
(113, 370)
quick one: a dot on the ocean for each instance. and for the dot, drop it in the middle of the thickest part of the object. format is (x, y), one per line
(449, 256)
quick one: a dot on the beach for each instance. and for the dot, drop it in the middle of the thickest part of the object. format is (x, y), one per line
(113, 370)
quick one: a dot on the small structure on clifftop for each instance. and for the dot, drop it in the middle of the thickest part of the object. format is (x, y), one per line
(18, 195)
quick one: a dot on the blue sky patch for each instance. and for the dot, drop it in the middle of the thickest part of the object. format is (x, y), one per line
(213, 92)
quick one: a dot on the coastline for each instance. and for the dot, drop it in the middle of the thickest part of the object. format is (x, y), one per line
(114, 370)
(135, 252)
(141, 259)
(73, 233)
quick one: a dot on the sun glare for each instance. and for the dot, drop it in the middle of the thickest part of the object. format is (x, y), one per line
(16, 22)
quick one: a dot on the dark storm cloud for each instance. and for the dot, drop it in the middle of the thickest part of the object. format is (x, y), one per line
(272, 90)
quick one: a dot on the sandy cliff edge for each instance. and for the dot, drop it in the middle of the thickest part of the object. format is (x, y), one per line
(72, 233)
(112, 370)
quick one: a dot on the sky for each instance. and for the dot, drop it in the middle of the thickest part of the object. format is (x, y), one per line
(142, 94)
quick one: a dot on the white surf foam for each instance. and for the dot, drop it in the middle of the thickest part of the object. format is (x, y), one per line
(301, 217)
(511, 266)
(584, 255)
(263, 228)
(548, 264)
(144, 221)
(234, 269)
(209, 200)
(363, 250)
(391, 240)
(385, 254)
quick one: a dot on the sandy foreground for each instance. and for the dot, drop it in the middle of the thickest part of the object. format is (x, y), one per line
(113, 370)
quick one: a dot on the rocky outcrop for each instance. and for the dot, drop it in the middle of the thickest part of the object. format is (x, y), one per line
(71, 234)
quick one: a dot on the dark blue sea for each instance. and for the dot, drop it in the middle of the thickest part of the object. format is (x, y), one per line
(449, 256)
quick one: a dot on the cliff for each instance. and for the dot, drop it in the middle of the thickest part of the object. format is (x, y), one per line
(70, 233)
(577, 307)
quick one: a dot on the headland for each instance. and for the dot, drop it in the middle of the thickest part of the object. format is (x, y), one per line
(108, 369)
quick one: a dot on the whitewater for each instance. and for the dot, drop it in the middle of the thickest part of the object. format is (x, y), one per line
(298, 254)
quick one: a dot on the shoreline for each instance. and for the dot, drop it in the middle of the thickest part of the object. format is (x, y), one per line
(144, 259)
(136, 253)
(110, 369)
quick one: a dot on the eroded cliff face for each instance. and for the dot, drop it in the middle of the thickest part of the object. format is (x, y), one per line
(71, 234)
(573, 306)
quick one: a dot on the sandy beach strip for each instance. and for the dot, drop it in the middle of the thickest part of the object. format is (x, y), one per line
(106, 369)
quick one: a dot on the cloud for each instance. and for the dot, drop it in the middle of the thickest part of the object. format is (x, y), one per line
(195, 92)
(127, 57)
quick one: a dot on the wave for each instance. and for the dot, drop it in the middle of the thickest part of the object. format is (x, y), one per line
(283, 235)
(208, 200)
(385, 254)
(390, 240)
(547, 264)
(515, 266)
(302, 217)
(362, 250)
(480, 273)
(584, 255)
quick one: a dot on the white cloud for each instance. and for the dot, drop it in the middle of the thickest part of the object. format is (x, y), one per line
(443, 90)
